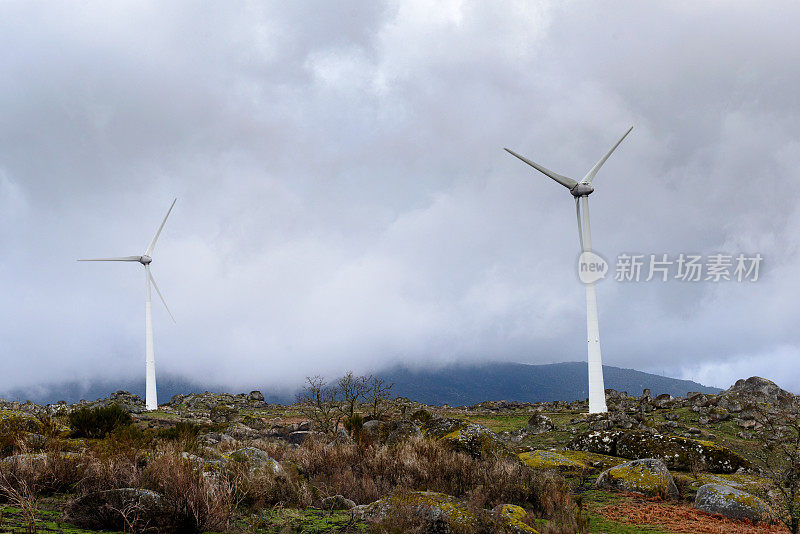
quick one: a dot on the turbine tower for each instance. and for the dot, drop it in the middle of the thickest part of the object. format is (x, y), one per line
(581, 191)
(150, 364)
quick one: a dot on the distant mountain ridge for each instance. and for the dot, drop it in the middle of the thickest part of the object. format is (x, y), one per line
(464, 384)
(456, 385)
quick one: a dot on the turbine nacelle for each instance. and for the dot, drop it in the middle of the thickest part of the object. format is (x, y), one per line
(145, 260)
(577, 188)
(581, 190)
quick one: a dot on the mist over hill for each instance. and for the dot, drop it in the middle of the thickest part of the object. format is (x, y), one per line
(461, 384)
(469, 384)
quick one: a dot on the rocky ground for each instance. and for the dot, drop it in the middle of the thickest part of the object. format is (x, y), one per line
(658, 464)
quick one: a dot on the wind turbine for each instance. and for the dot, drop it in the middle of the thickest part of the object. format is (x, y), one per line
(581, 191)
(150, 364)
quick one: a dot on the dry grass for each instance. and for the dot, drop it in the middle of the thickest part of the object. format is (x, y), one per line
(198, 502)
(203, 497)
(365, 473)
(681, 518)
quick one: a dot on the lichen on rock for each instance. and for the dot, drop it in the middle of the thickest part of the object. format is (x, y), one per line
(551, 460)
(675, 451)
(730, 502)
(648, 476)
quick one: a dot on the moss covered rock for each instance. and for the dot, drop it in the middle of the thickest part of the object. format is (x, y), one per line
(476, 440)
(256, 459)
(551, 460)
(539, 424)
(730, 502)
(597, 441)
(119, 509)
(675, 451)
(441, 513)
(593, 459)
(438, 427)
(397, 431)
(747, 482)
(648, 476)
(511, 519)
(223, 413)
(444, 514)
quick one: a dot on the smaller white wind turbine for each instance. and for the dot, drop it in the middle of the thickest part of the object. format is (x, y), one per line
(150, 364)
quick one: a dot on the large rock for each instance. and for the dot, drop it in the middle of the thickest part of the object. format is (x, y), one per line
(241, 432)
(372, 429)
(256, 396)
(757, 387)
(438, 427)
(511, 518)
(299, 437)
(444, 514)
(440, 513)
(476, 440)
(730, 502)
(129, 402)
(676, 452)
(256, 459)
(597, 441)
(120, 509)
(539, 424)
(647, 476)
(551, 460)
(397, 431)
(337, 502)
(35, 460)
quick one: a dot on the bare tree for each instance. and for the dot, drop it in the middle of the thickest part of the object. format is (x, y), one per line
(378, 395)
(319, 401)
(779, 458)
(352, 389)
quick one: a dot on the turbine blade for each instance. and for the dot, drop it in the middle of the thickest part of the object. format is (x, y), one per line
(153, 280)
(590, 175)
(124, 258)
(569, 183)
(153, 243)
(580, 227)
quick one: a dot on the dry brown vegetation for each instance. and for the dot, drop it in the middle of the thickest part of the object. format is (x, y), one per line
(636, 510)
(367, 472)
(201, 494)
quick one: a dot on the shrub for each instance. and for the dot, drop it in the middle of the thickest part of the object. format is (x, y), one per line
(182, 431)
(354, 424)
(98, 422)
(12, 434)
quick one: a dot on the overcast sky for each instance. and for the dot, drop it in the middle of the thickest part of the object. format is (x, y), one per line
(344, 200)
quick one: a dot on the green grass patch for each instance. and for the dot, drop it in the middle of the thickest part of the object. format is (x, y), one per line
(598, 523)
(309, 520)
(13, 520)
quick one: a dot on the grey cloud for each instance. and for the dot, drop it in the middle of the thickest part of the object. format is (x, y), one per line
(344, 200)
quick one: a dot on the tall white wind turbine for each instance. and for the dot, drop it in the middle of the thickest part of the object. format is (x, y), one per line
(581, 191)
(150, 364)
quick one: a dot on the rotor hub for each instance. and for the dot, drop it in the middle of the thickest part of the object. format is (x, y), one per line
(581, 190)
(145, 260)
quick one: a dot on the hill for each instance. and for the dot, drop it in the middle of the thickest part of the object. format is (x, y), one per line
(469, 384)
(456, 385)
